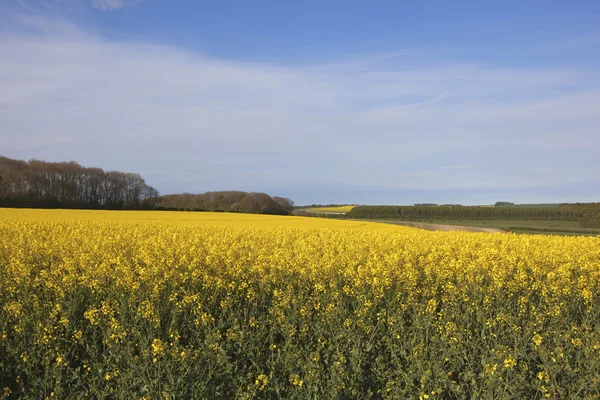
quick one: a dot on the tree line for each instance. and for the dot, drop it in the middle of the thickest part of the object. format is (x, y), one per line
(227, 201)
(462, 212)
(590, 213)
(44, 184)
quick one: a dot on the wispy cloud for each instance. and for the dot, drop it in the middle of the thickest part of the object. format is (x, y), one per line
(68, 94)
(108, 4)
(55, 7)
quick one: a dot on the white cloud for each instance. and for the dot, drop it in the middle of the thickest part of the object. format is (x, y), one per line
(197, 123)
(108, 4)
(59, 7)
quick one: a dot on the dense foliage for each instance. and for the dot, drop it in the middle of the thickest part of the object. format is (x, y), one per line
(43, 184)
(162, 305)
(229, 201)
(69, 185)
(460, 212)
(590, 213)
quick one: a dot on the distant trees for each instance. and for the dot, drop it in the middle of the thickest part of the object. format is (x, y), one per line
(463, 212)
(69, 185)
(504, 203)
(284, 203)
(590, 213)
(228, 201)
(44, 184)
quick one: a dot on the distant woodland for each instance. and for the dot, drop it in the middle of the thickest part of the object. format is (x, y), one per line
(460, 212)
(587, 213)
(44, 184)
(590, 213)
(228, 201)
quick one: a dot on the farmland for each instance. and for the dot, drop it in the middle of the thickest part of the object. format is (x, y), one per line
(554, 219)
(149, 304)
(550, 227)
(338, 209)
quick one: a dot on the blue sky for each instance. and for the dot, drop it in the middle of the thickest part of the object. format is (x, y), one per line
(380, 102)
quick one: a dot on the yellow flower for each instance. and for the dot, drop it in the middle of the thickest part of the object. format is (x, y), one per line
(302, 273)
(77, 335)
(490, 369)
(295, 380)
(261, 381)
(158, 347)
(509, 362)
(543, 376)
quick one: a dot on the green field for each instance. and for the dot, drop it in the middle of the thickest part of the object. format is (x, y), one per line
(566, 228)
(506, 223)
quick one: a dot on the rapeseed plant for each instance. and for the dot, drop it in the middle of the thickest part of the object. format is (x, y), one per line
(201, 305)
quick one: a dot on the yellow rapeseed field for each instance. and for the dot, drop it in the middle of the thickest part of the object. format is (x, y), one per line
(339, 209)
(172, 305)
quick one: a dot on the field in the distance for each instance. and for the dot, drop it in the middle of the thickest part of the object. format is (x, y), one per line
(338, 209)
(548, 219)
(565, 228)
(212, 305)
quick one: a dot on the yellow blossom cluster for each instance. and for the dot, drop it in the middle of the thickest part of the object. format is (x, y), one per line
(194, 305)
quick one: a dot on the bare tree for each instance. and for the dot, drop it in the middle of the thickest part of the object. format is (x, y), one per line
(67, 184)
